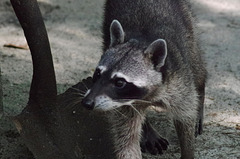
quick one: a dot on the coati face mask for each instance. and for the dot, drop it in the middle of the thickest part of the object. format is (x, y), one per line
(126, 73)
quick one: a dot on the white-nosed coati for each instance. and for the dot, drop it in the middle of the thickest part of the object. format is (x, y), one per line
(47, 124)
(151, 57)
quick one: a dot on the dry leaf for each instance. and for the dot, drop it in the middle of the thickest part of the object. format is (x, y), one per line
(25, 46)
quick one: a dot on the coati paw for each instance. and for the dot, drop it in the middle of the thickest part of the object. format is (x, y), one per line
(151, 141)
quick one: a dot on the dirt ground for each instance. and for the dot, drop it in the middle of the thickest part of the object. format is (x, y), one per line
(75, 37)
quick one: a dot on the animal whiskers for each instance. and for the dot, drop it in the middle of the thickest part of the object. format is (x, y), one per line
(136, 101)
(74, 104)
(81, 92)
(132, 106)
(115, 110)
(74, 99)
(137, 104)
(85, 86)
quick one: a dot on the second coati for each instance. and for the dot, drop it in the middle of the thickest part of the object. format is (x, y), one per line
(151, 58)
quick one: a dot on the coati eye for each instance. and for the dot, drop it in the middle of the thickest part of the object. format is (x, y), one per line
(96, 75)
(120, 83)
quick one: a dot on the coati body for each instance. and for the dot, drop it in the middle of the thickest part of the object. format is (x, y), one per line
(151, 57)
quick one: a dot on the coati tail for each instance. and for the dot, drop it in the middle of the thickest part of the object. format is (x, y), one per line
(43, 88)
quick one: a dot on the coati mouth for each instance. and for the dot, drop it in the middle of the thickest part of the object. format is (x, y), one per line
(104, 103)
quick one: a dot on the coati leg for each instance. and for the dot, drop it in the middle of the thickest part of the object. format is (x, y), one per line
(185, 132)
(199, 123)
(126, 131)
(151, 141)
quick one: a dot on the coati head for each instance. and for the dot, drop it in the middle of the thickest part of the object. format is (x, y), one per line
(127, 72)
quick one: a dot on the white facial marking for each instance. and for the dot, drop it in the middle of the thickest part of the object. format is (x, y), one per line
(102, 69)
(105, 103)
(136, 81)
(120, 75)
(88, 91)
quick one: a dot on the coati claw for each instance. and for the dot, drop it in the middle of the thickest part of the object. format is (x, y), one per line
(151, 141)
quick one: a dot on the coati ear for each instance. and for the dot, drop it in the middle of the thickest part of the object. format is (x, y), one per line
(116, 33)
(157, 52)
